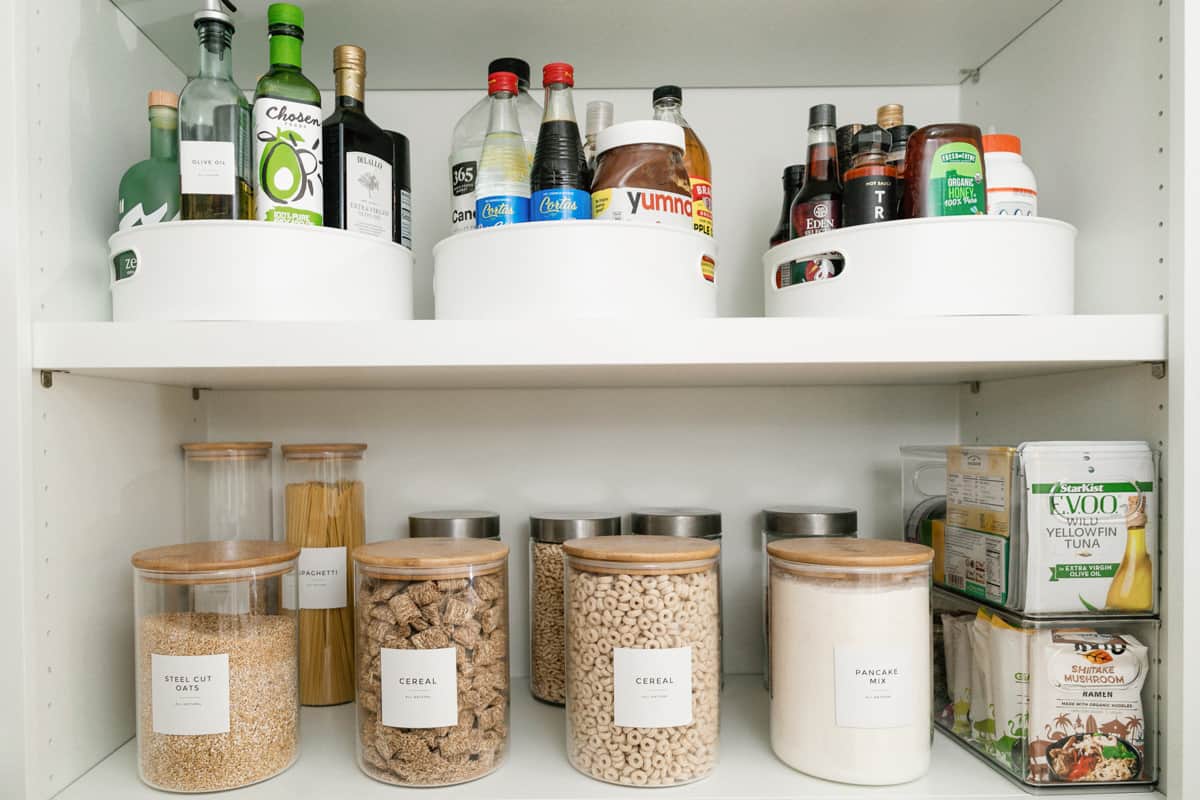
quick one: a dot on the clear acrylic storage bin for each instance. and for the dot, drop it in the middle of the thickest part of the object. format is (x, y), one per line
(1050, 703)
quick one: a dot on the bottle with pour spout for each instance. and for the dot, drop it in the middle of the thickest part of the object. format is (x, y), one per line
(214, 126)
(502, 188)
(1132, 587)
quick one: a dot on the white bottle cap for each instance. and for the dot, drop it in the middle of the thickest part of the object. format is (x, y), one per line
(642, 131)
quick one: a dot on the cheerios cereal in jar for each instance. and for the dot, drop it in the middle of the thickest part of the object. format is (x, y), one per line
(643, 658)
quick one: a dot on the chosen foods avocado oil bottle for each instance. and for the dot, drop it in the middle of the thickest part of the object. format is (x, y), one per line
(287, 129)
(1132, 587)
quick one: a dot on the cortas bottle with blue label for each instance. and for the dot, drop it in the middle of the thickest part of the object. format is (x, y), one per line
(502, 184)
(558, 178)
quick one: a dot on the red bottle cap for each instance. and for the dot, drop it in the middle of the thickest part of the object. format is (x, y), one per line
(1001, 143)
(558, 72)
(502, 82)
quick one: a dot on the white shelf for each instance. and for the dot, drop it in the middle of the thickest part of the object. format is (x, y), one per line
(623, 43)
(712, 352)
(537, 767)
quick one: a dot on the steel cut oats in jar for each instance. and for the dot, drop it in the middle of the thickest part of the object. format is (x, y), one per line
(643, 658)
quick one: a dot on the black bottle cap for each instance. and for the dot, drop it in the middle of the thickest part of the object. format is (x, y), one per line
(793, 174)
(821, 115)
(871, 139)
(668, 91)
(900, 134)
(517, 66)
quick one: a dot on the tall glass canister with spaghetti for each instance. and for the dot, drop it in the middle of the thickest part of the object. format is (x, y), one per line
(324, 508)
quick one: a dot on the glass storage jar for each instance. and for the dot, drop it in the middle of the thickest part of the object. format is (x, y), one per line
(433, 669)
(217, 689)
(227, 491)
(798, 522)
(642, 658)
(547, 533)
(454, 525)
(851, 674)
(324, 509)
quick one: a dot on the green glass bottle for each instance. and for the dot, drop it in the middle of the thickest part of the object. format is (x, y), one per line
(149, 190)
(214, 126)
(287, 129)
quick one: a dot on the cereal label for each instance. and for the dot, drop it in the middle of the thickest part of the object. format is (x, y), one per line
(190, 695)
(419, 688)
(652, 688)
(873, 687)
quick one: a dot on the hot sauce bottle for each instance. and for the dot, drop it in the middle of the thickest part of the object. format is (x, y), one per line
(818, 206)
(870, 192)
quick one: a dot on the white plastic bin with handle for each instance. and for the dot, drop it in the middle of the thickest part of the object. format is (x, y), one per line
(944, 266)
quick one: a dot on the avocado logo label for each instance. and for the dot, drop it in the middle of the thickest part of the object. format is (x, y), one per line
(288, 171)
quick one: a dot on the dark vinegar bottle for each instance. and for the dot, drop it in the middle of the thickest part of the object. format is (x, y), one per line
(818, 205)
(793, 179)
(358, 155)
(558, 175)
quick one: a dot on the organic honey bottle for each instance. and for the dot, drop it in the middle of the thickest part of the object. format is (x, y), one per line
(1132, 587)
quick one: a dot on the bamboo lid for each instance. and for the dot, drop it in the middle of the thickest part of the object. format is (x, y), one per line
(199, 557)
(226, 451)
(430, 553)
(850, 552)
(642, 549)
(340, 452)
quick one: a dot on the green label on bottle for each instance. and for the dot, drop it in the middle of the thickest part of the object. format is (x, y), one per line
(956, 182)
(287, 146)
(126, 264)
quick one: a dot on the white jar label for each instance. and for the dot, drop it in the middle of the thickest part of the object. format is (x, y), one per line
(873, 687)
(190, 695)
(1012, 202)
(633, 204)
(368, 195)
(221, 598)
(287, 162)
(207, 167)
(322, 577)
(652, 688)
(419, 687)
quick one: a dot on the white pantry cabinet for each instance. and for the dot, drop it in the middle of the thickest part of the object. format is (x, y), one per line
(732, 413)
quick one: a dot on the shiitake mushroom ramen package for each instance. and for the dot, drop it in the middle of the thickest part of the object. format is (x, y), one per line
(1086, 721)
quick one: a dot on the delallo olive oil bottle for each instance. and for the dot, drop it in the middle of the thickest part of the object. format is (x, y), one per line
(287, 129)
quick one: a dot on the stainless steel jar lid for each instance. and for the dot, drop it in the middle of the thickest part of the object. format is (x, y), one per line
(555, 527)
(810, 520)
(702, 523)
(454, 525)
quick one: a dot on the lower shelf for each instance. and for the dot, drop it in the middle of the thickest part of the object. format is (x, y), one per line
(538, 768)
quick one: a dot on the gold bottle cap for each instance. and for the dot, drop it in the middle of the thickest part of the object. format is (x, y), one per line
(889, 116)
(349, 56)
(161, 97)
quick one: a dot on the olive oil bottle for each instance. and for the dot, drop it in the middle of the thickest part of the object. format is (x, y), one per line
(214, 127)
(1132, 587)
(287, 129)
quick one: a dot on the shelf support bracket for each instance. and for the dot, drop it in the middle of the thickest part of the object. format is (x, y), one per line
(1158, 369)
(974, 387)
(47, 379)
(971, 75)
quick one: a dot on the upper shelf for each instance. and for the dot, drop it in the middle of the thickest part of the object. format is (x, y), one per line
(707, 352)
(623, 43)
